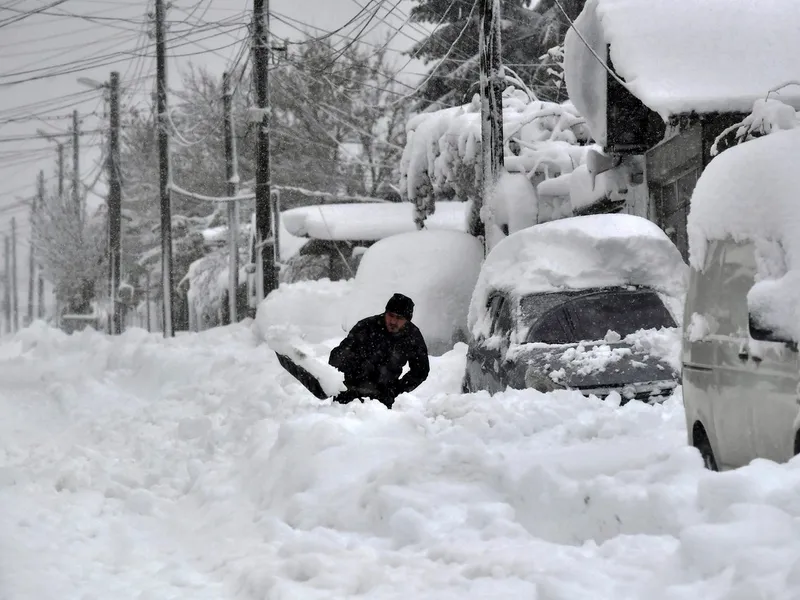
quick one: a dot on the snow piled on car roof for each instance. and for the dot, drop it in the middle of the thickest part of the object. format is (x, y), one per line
(580, 253)
(749, 193)
(369, 221)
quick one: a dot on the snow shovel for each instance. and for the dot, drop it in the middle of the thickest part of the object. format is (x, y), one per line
(310, 382)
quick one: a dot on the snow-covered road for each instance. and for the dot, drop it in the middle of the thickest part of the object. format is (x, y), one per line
(196, 468)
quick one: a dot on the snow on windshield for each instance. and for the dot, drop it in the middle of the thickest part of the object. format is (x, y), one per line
(593, 251)
(365, 221)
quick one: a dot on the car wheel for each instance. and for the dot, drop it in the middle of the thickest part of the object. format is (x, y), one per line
(703, 446)
(797, 443)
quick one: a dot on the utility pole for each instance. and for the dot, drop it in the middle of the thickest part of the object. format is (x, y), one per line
(147, 299)
(232, 175)
(37, 202)
(114, 205)
(163, 164)
(76, 172)
(491, 110)
(7, 283)
(266, 280)
(14, 282)
(60, 170)
(40, 314)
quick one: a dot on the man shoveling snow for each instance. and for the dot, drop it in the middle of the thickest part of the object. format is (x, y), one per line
(371, 358)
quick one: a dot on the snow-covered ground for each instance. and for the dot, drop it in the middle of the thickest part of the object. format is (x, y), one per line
(195, 468)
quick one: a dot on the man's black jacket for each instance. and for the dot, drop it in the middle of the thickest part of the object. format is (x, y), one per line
(371, 355)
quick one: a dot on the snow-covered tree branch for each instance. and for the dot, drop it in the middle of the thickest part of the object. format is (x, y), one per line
(71, 252)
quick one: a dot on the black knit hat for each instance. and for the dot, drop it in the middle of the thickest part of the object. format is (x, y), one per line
(401, 305)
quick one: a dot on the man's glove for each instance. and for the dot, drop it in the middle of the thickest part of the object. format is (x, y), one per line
(393, 390)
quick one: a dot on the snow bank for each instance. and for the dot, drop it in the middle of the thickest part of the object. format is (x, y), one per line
(317, 307)
(436, 269)
(749, 192)
(193, 468)
(679, 56)
(579, 253)
(365, 221)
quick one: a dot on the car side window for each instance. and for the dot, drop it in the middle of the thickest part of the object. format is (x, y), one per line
(552, 328)
(737, 276)
(703, 288)
(500, 314)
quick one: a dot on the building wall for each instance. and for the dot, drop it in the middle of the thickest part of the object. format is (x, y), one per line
(673, 166)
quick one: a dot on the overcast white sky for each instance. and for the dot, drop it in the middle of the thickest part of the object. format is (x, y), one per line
(45, 43)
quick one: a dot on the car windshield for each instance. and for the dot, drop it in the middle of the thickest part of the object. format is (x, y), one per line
(589, 316)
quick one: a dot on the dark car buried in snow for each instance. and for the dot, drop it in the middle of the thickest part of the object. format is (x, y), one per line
(565, 334)
(567, 304)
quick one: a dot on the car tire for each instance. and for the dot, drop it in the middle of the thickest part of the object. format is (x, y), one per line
(703, 446)
(797, 443)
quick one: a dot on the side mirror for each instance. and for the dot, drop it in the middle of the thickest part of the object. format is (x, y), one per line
(761, 333)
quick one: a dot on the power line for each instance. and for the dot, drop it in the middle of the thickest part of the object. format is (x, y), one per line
(24, 14)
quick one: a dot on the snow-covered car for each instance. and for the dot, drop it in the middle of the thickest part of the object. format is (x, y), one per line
(436, 269)
(324, 259)
(339, 234)
(575, 304)
(741, 366)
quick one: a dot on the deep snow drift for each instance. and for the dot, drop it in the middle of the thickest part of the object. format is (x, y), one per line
(195, 468)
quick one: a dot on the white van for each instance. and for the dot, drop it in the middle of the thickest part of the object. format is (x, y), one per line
(741, 367)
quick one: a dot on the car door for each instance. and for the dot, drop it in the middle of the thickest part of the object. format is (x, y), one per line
(540, 367)
(483, 356)
(774, 399)
(701, 394)
(490, 352)
(733, 409)
(772, 389)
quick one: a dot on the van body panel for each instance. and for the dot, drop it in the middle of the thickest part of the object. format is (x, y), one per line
(775, 400)
(744, 392)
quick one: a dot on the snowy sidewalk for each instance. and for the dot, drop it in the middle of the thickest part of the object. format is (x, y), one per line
(196, 468)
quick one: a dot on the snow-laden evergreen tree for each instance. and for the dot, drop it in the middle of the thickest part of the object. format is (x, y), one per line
(530, 30)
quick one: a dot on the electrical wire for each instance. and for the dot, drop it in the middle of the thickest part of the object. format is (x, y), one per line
(27, 13)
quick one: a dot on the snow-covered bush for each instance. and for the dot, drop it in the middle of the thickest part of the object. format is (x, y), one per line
(768, 116)
(442, 156)
(208, 284)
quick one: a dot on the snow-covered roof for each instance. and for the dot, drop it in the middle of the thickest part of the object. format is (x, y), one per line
(369, 221)
(580, 253)
(678, 56)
